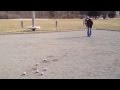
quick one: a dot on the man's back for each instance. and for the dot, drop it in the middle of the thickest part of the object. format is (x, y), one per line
(89, 23)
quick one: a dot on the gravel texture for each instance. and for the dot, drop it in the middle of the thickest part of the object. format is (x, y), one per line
(69, 55)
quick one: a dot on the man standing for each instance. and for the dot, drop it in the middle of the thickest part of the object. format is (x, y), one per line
(89, 24)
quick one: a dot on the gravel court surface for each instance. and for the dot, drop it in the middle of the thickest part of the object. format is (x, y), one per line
(70, 55)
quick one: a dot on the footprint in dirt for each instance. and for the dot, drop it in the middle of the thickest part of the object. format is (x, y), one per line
(51, 56)
(64, 55)
(55, 60)
(34, 68)
(45, 61)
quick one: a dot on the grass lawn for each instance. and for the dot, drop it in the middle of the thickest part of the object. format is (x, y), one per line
(10, 25)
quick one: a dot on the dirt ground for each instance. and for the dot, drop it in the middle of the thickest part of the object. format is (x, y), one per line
(70, 55)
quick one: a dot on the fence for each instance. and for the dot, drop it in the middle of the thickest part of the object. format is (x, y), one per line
(15, 25)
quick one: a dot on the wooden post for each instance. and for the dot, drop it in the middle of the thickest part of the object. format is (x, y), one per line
(56, 25)
(22, 24)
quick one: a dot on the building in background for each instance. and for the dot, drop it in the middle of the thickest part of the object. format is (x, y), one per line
(117, 13)
(52, 14)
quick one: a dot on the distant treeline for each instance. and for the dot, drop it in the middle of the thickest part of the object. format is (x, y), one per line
(55, 14)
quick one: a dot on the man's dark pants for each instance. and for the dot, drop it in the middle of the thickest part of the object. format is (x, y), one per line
(89, 31)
